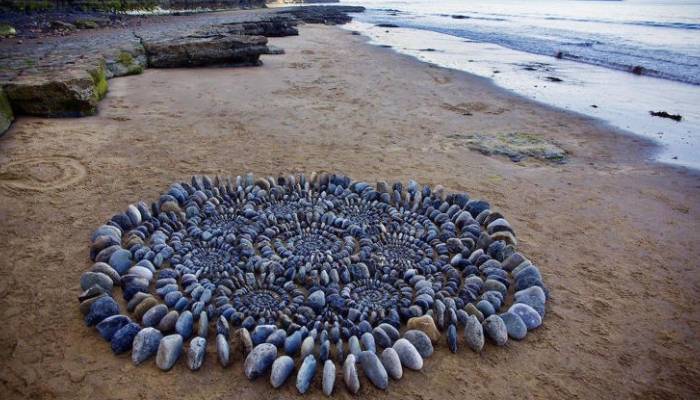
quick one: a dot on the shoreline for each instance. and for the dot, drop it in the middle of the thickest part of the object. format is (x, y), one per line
(611, 231)
(645, 149)
(503, 67)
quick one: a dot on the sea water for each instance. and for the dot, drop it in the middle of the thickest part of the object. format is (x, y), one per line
(613, 60)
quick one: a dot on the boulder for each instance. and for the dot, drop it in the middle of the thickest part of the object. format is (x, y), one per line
(195, 51)
(72, 92)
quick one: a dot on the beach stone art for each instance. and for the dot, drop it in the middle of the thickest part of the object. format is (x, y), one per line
(299, 277)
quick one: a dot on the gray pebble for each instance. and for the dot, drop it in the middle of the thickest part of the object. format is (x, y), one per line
(374, 370)
(282, 369)
(392, 363)
(196, 353)
(474, 334)
(352, 381)
(169, 350)
(496, 329)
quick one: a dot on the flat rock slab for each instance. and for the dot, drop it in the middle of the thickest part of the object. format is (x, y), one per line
(517, 146)
(71, 92)
(194, 51)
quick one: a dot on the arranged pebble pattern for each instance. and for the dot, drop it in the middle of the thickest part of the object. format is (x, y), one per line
(322, 275)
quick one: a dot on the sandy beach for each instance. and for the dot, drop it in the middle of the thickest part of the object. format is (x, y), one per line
(615, 235)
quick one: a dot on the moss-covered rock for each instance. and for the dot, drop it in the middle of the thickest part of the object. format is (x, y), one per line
(126, 61)
(71, 92)
(86, 24)
(6, 114)
(7, 31)
(516, 145)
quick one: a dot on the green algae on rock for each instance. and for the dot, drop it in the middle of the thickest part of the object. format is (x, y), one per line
(516, 145)
(7, 31)
(6, 114)
(71, 92)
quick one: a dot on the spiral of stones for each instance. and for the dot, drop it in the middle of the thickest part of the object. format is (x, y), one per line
(296, 263)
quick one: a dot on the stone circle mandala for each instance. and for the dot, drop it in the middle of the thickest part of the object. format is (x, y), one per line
(323, 269)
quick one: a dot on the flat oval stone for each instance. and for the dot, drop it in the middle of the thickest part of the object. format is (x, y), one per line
(514, 324)
(317, 300)
(169, 350)
(168, 322)
(259, 360)
(425, 324)
(203, 324)
(282, 369)
(392, 332)
(261, 332)
(136, 300)
(328, 377)
(246, 341)
(222, 327)
(185, 324)
(354, 345)
(534, 297)
(145, 345)
(145, 305)
(307, 346)
(110, 325)
(420, 341)
(352, 381)
(408, 354)
(292, 343)
(124, 337)
(381, 338)
(223, 350)
(153, 316)
(474, 334)
(86, 304)
(392, 363)
(367, 341)
(471, 309)
(120, 260)
(496, 329)
(306, 374)
(99, 310)
(486, 308)
(492, 284)
(374, 370)
(452, 338)
(196, 353)
(529, 315)
(277, 338)
(89, 279)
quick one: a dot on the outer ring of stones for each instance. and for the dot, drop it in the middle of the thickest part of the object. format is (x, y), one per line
(297, 265)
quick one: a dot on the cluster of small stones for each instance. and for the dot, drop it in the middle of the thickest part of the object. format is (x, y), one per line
(321, 268)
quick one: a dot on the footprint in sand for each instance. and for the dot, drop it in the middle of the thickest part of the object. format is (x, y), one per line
(41, 174)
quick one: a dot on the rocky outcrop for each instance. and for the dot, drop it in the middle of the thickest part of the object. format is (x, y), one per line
(67, 92)
(6, 114)
(125, 5)
(194, 51)
(67, 76)
(329, 15)
(274, 26)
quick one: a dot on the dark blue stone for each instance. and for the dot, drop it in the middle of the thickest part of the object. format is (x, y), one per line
(124, 337)
(101, 309)
(110, 325)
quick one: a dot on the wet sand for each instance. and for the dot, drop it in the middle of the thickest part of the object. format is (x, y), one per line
(615, 236)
